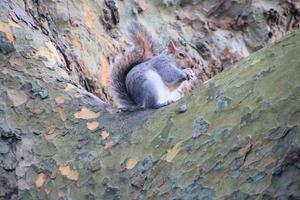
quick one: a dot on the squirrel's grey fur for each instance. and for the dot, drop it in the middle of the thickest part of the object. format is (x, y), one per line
(146, 77)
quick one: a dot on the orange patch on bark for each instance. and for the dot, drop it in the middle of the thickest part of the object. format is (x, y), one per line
(49, 51)
(171, 154)
(89, 16)
(7, 28)
(16, 61)
(109, 145)
(18, 97)
(51, 133)
(62, 113)
(104, 134)
(86, 113)
(60, 100)
(265, 162)
(131, 163)
(76, 42)
(105, 40)
(61, 194)
(92, 125)
(47, 190)
(104, 71)
(66, 171)
(5, 70)
(40, 180)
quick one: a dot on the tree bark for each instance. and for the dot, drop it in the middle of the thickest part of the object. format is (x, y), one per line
(236, 137)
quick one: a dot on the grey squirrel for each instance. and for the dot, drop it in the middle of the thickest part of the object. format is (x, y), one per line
(146, 77)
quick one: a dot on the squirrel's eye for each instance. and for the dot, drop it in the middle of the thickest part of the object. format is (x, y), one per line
(182, 55)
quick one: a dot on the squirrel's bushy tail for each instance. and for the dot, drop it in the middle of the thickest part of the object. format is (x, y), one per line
(143, 39)
(145, 46)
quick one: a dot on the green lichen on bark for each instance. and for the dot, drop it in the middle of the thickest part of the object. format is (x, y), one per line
(236, 137)
(248, 142)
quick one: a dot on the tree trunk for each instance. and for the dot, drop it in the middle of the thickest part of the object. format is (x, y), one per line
(236, 137)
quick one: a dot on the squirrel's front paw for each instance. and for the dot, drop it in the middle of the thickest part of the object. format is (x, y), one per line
(189, 74)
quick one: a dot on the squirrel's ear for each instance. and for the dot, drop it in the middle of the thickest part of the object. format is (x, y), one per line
(171, 47)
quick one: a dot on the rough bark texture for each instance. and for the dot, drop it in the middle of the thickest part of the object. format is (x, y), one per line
(236, 137)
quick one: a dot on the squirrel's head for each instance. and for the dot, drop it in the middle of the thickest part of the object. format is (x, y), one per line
(183, 60)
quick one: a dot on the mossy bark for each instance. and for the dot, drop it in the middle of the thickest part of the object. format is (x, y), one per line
(236, 137)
